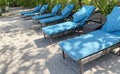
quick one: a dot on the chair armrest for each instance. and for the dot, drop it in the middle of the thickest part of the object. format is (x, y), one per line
(95, 20)
(36, 14)
(80, 23)
(59, 13)
(68, 19)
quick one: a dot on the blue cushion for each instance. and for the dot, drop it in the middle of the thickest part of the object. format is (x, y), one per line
(90, 10)
(88, 44)
(83, 14)
(113, 21)
(58, 28)
(80, 15)
(116, 33)
(42, 16)
(112, 24)
(50, 19)
(67, 10)
(55, 9)
(115, 11)
(30, 14)
(22, 13)
(53, 12)
(36, 9)
(43, 8)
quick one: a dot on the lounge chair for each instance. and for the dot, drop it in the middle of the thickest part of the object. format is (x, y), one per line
(90, 46)
(54, 11)
(35, 10)
(64, 14)
(41, 11)
(79, 19)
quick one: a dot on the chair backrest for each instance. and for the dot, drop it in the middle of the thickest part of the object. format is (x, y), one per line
(115, 11)
(112, 23)
(37, 8)
(67, 10)
(55, 9)
(83, 14)
(43, 8)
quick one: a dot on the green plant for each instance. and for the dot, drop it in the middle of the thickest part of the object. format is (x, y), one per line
(105, 6)
(0, 14)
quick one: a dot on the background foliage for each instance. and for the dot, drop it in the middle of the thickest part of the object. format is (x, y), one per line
(105, 6)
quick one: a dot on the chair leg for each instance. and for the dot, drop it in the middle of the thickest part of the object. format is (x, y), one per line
(40, 27)
(63, 53)
(1, 30)
(44, 35)
(119, 52)
(50, 38)
(81, 67)
(78, 29)
(33, 21)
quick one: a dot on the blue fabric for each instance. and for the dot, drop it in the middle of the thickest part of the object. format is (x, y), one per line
(67, 10)
(85, 45)
(55, 9)
(31, 14)
(51, 19)
(41, 11)
(116, 33)
(91, 43)
(53, 12)
(58, 28)
(42, 16)
(115, 11)
(80, 15)
(36, 9)
(112, 24)
(83, 14)
(43, 8)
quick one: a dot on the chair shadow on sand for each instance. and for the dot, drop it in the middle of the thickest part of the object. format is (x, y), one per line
(107, 64)
(43, 42)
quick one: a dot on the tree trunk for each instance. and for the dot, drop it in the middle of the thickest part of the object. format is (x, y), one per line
(80, 2)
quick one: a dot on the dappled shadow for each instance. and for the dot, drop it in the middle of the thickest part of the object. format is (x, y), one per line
(16, 26)
(57, 65)
(26, 46)
(33, 62)
(4, 69)
(6, 48)
(108, 64)
(29, 62)
(85, 45)
(19, 55)
(43, 42)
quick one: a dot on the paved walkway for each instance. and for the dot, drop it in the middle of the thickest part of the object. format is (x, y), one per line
(25, 51)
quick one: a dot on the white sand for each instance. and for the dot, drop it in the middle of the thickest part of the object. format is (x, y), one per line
(25, 51)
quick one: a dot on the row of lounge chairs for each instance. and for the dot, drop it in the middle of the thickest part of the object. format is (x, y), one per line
(38, 10)
(88, 45)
